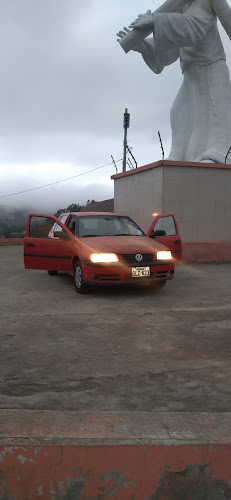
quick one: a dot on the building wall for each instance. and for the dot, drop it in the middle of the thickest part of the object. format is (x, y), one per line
(200, 198)
(139, 195)
(198, 194)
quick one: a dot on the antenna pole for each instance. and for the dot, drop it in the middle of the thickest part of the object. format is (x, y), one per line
(126, 126)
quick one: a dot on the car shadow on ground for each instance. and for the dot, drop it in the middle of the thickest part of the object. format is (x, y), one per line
(105, 290)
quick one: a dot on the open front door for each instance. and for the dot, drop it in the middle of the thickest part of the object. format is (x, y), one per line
(171, 239)
(48, 244)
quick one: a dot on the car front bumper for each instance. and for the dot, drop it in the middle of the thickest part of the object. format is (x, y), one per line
(117, 273)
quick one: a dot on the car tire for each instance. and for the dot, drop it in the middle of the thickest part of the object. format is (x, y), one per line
(158, 284)
(52, 273)
(80, 285)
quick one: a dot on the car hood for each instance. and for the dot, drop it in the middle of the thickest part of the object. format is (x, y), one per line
(123, 244)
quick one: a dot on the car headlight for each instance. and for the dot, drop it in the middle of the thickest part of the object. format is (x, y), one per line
(103, 257)
(165, 255)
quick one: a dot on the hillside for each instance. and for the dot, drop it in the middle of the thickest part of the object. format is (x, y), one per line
(12, 223)
(99, 206)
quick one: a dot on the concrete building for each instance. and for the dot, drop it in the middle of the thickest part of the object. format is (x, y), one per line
(199, 195)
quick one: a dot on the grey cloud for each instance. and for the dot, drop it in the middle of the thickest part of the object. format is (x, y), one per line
(62, 69)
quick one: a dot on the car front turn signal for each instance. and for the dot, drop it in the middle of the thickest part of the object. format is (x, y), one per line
(166, 255)
(103, 258)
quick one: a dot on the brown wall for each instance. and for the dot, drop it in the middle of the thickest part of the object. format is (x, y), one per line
(115, 472)
(206, 251)
(11, 241)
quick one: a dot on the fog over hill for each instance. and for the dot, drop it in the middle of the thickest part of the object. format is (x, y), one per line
(13, 220)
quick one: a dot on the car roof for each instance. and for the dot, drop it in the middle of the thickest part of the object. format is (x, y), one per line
(85, 214)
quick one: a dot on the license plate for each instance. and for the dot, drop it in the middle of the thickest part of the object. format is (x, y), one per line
(139, 272)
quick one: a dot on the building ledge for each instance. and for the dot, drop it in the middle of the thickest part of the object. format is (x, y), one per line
(167, 163)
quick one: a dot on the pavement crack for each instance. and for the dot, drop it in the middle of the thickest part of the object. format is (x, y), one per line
(61, 458)
(38, 423)
(166, 429)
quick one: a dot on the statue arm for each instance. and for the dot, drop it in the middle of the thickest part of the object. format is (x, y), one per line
(156, 60)
(136, 36)
(185, 30)
(223, 12)
(181, 30)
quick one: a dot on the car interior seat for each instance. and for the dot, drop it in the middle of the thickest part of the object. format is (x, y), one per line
(72, 226)
(110, 228)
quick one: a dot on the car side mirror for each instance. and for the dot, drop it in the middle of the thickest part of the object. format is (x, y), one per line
(61, 235)
(158, 232)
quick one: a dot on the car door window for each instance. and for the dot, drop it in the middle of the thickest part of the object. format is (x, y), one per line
(166, 224)
(40, 227)
(71, 224)
(56, 226)
(63, 218)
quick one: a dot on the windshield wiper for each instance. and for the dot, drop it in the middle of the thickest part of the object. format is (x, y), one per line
(89, 235)
(119, 234)
(129, 234)
(108, 235)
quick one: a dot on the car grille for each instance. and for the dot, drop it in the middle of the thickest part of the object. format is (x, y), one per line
(109, 277)
(146, 279)
(130, 259)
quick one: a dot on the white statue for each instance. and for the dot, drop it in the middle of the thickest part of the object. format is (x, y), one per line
(187, 30)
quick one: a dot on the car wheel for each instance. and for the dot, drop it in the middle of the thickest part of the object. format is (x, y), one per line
(158, 284)
(80, 286)
(52, 273)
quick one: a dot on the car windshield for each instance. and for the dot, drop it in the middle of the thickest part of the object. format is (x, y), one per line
(107, 225)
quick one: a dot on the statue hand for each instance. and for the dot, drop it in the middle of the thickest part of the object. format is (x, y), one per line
(143, 21)
(122, 33)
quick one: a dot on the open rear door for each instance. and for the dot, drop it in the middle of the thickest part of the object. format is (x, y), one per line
(171, 239)
(48, 244)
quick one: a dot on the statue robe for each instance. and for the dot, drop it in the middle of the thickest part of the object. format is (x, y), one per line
(201, 113)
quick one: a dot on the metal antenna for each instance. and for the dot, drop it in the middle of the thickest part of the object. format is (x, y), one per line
(162, 147)
(126, 126)
(227, 155)
(133, 157)
(114, 163)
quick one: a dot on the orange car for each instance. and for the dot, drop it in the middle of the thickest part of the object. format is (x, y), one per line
(96, 248)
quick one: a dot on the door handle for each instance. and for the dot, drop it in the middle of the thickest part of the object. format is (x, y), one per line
(30, 245)
(177, 242)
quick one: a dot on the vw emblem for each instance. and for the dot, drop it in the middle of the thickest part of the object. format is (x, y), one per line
(139, 257)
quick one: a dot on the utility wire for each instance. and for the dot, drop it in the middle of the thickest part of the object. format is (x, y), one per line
(58, 182)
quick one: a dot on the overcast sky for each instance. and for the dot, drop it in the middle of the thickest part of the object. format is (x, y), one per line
(64, 85)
